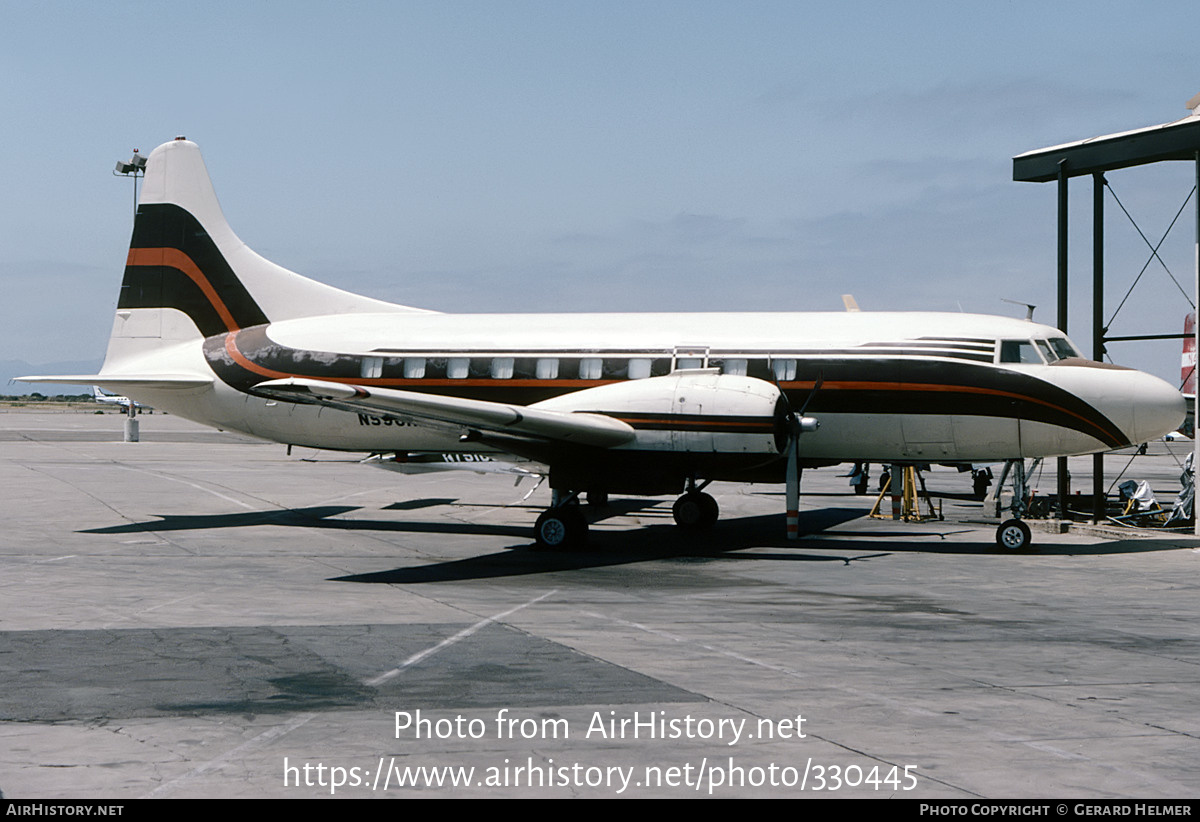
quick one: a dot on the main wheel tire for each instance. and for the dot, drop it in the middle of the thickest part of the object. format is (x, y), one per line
(695, 511)
(560, 528)
(860, 488)
(1013, 535)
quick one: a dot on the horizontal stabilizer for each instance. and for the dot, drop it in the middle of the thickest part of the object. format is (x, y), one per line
(118, 380)
(439, 412)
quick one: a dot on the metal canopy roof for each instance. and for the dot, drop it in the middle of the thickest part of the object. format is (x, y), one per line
(1179, 140)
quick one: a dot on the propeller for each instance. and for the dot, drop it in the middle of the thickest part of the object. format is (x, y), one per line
(795, 424)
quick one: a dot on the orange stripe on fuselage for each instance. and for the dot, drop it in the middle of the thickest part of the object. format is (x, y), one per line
(240, 358)
(174, 258)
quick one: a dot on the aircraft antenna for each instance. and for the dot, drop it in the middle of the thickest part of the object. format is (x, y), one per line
(1028, 307)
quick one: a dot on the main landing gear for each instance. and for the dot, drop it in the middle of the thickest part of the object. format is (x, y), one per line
(981, 481)
(695, 511)
(563, 525)
(860, 475)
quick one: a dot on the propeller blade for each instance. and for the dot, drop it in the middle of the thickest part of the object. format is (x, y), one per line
(797, 424)
(793, 486)
(816, 387)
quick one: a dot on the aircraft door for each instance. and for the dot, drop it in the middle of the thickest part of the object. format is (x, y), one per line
(929, 436)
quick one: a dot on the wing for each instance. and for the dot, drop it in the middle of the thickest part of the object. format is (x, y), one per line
(455, 413)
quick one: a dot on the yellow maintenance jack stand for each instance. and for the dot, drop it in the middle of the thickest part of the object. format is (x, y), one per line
(906, 504)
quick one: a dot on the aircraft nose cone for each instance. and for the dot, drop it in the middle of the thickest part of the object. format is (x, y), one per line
(1158, 409)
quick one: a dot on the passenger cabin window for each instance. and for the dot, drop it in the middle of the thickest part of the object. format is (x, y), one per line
(1019, 351)
(457, 368)
(615, 368)
(414, 368)
(689, 362)
(502, 368)
(547, 368)
(372, 368)
(784, 370)
(639, 369)
(760, 369)
(735, 367)
(590, 368)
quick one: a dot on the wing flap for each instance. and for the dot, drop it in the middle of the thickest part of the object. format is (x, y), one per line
(438, 411)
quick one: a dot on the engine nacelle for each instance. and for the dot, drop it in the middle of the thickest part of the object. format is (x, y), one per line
(693, 411)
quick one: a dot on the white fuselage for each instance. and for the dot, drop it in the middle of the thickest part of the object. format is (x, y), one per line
(897, 386)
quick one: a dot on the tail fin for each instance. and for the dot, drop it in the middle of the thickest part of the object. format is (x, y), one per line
(1187, 365)
(188, 275)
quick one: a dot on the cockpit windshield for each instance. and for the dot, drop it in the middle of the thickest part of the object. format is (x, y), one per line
(1036, 352)
(1063, 348)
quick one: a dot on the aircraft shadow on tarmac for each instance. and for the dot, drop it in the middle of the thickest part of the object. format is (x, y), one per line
(648, 542)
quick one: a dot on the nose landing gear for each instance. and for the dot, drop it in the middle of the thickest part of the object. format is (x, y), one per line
(1013, 534)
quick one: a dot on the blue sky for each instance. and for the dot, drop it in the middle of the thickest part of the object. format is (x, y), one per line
(550, 156)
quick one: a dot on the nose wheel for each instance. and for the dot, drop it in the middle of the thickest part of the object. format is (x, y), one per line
(1013, 535)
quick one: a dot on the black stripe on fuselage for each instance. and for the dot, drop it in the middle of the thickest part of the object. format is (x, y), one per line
(853, 385)
(163, 225)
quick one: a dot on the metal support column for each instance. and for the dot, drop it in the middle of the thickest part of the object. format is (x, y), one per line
(1064, 485)
(1098, 183)
(1196, 298)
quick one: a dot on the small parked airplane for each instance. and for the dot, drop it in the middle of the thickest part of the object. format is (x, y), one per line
(639, 404)
(104, 398)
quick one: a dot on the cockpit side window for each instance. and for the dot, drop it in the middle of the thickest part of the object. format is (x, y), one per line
(1063, 348)
(1019, 351)
(1047, 354)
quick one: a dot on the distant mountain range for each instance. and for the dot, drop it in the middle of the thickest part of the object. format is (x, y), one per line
(19, 368)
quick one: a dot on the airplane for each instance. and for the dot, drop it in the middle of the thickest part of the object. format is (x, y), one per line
(641, 404)
(1187, 374)
(104, 398)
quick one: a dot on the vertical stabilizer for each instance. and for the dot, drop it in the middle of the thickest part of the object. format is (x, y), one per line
(189, 276)
(1187, 365)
